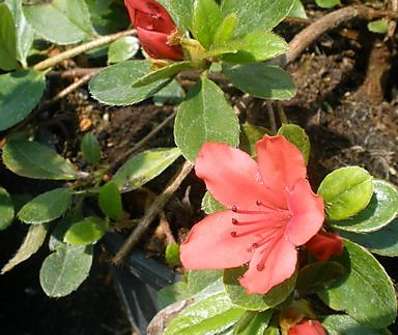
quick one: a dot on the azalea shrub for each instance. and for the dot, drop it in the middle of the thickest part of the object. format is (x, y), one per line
(273, 254)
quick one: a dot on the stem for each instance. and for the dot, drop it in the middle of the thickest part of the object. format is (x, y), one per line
(50, 62)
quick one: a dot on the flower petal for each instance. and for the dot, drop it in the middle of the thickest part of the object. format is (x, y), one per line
(280, 264)
(210, 244)
(307, 211)
(231, 176)
(325, 245)
(309, 327)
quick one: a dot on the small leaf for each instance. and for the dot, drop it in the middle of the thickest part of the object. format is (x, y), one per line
(181, 10)
(253, 323)
(345, 325)
(87, 231)
(255, 302)
(46, 207)
(198, 280)
(110, 201)
(346, 192)
(249, 136)
(8, 50)
(64, 271)
(6, 209)
(172, 94)
(172, 254)
(297, 135)
(298, 10)
(122, 76)
(226, 29)
(261, 80)
(91, 149)
(206, 19)
(123, 49)
(34, 160)
(205, 116)
(211, 205)
(20, 92)
(366, 293)
(382, 209)
(379, 26)
(144, 167)
(327, 3)
(171, 294)
(31, 244)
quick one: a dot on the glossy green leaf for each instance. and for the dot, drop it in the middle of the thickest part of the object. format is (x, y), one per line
(110, 201)
(253, 323)
(172, 94)
(226, 29)
(261, 80)
(122, 76)
(172, 254)
(123, 49)
(366, 293)
(34, 239)
(60, 21)
(6, 209)
(257, 14)
(20, 92)
(181, 11)
(255, 302)
(8, 49)
(327, 3)
(171, 294)
(144, 167)
(249, 136)
(346, 192)
(297, 135)
(205, 116)
(210, 204)
(34, 160)
(206, 19)
(87, 231)
(345, 325)
(91, 149)
(46, 207)
(198, 280)
(298, 10)
(64, 271)
(382, 209)
(379, 26)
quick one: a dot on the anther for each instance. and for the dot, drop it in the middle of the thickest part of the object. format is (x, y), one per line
(234, 222)
(234, 234)
(260, 267)
(234, 208)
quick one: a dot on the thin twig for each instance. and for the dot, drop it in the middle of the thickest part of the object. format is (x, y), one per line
(52, 61)
(153, 211)
(73, 73)
(271, 116)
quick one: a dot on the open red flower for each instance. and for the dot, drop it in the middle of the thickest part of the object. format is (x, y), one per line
(325, 245)
(155, 28)
(308, 327)
(272, 211)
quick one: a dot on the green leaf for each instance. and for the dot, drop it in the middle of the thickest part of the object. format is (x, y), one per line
(298, 10)
(210, 315)
(383, 242)
(211, 205)
(255, 302)
(144, 167)
(200, 279)
(379, 26)
(249, 136)
(345, 325)
(165, 72)
(257, 14)
(327, 3)
(253, 323)
(226, 29)
(87, 231)
(20, 92)
(206, 19)
(60, 21)
(123, 49)
(110, 201)
(33, 241)
(261, 80)
(46, 207)
(8, 50)
(346, 192)
(122, 76)
(173, 293)
(91, 149)
(255, 47)
(205, 116)
(64, 271)
(181, 11)
(6, 209)
(172, 254)
(172, 94)
(366, 293)
(382, 209)
(272, 330)
(297, 136)
(24, 32)
(34, 160)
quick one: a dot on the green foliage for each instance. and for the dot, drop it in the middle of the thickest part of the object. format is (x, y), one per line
(88, 231)
(123, 49)
(8, 50)
(253, 323)
(249, 136)
(110, 201)
(6, 209)
(328, 3)
(343, 324)
(172, 254)
(210, 204)
(379, 26)
(91, 149)
(297, 135)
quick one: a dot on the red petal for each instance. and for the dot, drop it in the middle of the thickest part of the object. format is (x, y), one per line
(281, 164)
(156, 45)
(309, 327)
(210, 244)
(280, 264)
(231, 176)
(325, 245)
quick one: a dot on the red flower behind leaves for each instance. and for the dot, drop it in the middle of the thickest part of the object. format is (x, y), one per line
(325, 245)
(155, 27)
(308, 327)
(272, 211)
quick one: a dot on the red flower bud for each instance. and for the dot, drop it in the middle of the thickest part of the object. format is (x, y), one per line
(325, 245)
(155, 28)
(308, 327)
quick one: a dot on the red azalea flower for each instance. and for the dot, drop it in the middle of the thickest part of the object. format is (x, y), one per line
(155, 28)
(272, 212)
(308, 327)
(325, 245)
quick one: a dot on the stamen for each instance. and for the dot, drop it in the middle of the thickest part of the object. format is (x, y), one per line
(246, 223)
